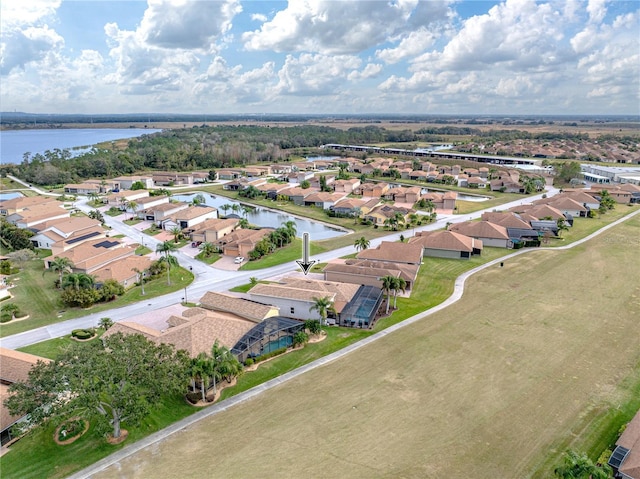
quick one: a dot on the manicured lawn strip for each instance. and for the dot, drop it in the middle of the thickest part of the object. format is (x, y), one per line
(499, 378)
(36, 295)
(287, 254)
(143, 250)
(38, 456)
(48, 349)
(208, 259)
(585, 226)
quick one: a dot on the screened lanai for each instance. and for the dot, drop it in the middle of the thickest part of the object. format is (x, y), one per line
(273, 333)
(361, 310)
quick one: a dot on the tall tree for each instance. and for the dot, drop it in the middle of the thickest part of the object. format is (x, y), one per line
(133, 207)
(61, 265)
(224, 364)
(166, 248)
(78, 281)
(388, 283)
(141, 274)
(399, 284)
(322, 305)
(362, 243)
(120, 378)
(176, 231)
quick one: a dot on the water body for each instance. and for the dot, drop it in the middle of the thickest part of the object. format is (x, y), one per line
(15, 143)
(267, 218)
(9, 196)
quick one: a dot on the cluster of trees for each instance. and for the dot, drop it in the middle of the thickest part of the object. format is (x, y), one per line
(117, 379)
(207, 370)
(393, 284)
(276, 239)
(14, 238)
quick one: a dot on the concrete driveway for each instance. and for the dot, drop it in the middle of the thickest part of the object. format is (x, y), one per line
(226, 263)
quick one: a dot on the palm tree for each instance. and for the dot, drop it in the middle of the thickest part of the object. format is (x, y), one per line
(105, 323)
(361, 243)
(61, 265)
(78, 281)
(562, 226)
(132, 206)
(235, 207)
(93, 197)
(224, 364)
(290, 226)
(226, 207)
(579, 466)
(166, 248)
(399, 284)
(387, 285)
(322, 306)
(246, 210)
(176, 232)
(243, 223)
(141, 275)
(207, 249)
(198, 199)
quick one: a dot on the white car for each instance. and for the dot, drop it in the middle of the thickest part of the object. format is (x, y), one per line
(238, 260)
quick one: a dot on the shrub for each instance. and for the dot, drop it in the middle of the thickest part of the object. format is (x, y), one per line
(5, 317)
(82, 333)
(275, 352)
(248, 362)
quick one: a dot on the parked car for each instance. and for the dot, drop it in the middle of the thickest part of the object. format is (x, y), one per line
(238, 260)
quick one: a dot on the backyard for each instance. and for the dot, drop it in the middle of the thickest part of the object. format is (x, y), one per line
(497, 385)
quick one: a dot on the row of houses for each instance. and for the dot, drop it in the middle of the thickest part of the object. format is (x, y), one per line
(153, 180)
(82, 240)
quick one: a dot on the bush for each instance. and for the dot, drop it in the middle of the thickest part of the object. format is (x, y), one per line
(248, 362)
(82, 333)
(5, 318)
(193, 396)
(275, 352)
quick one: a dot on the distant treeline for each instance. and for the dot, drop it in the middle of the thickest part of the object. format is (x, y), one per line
(209, 147)
(198, 148)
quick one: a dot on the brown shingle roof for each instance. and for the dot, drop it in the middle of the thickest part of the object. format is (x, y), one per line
(242, 307)
(393, 252)
(480, 229)
(446, 240)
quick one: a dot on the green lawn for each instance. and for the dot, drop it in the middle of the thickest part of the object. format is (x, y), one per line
(287, 254)
(507, 378)
(208, 259)
(36, 295)
(143, 250)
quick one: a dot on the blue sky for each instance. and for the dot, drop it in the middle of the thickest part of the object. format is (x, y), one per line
(319, 56)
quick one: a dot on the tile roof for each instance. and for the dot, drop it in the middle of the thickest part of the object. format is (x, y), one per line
(630, 439)
(505, 218)
(193, 212)
(27, 201)
(393, 252)
(122, 269)
(446, 240)
(16, 364)
(242, 307)
(216, 224)
(480, 229)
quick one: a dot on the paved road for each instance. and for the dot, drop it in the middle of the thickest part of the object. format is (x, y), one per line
(208, 278)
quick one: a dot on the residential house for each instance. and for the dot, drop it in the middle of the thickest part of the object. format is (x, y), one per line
(65, 233)
(82, 188)
(406, 195)
(120, 198)
(505, 218)
(189, 217)
(172, 178)
(489, 233)
(94, 254)
(315, 181)
(225, 303)
(298, 177)
(323, 200)
(214, 229)
(295, 297)
(380, 214)
(195, 331)
(390, 252)
(161, 212)
(28, 217)
(240, 242)
(370, 272)
(569, 207)
(585, 199)
(447, 244)
(15, 368)
(346, 186)
(418, 175)
(123, 270)
(625, 459)
(21, 203)
(229, 174)
(272, 190)
(147, 202)
(126, 182)
(441, 201)
(354, 206)
(545, 211)
(297, 194)
(373, 190)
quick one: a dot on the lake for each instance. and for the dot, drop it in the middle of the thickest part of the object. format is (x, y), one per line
(267, 218)
(15, 143)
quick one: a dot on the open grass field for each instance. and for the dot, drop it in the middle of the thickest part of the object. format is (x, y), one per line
(497, 385)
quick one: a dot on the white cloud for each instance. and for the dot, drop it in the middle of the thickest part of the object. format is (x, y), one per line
(411, 45)
(258, 17)
(310, 74)
(597, 10)
(371, 70)
(336, 27)
(25, 38)
(186, 24)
